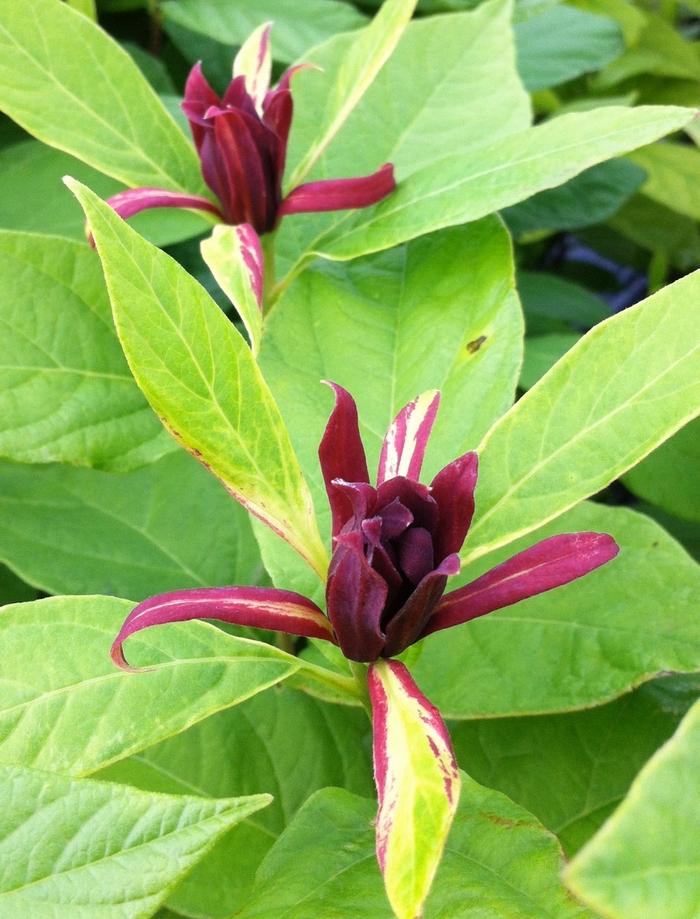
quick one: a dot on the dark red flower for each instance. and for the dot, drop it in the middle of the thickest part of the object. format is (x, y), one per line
(242, 141)
(394, 546)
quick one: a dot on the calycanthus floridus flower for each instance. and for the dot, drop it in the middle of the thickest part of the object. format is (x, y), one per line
(395, 544)
(241, 139)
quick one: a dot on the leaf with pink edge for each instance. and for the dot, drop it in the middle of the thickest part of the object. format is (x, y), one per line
(418, 785)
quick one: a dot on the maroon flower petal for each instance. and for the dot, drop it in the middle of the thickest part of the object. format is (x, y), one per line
(413, 495)
(355, 598)
(408, 624)
(342, 455)
(415, 550)
(253, 258)
(544, 566)
(340, 194)
(133, 200)
(360, 495)
(453, 490)
(277, 116)
(199, 96)
(260, 607)
(405, 442)
(396, 518)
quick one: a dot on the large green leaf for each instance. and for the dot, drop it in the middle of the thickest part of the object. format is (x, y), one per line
(64, 704)
(455, 289)
(13, 589)
(66, 393)
(626, 386)
(80, 848)
(562, 43)
(659, 229)
(468, 184)
(578, 645)
(552, 303)
(297, 26)
(167, 526)
(358, 59)
(68, 83)
(673, 176)
(200, 377)
(542, 352)
(645, 860)
(33, 198)
(499, 862)
(572, 770)
(248, 749)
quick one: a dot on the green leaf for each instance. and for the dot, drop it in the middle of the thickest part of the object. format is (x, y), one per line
(542, 352)
(572, 770)
(222, 253)
(626, 386)
(551, 302)
(579, 645)
(358, 61)
(33, 198)
(86, 7)
(645, 859)
(658, 228)
(466, 185)
(64, 704)
(66, 393)
(201, 378)
(385, 307)
(669, 476)
(297, 27)
(165, 527)
(589, 198)
(563, 43)
(333, 749)
(673, 176)
(68, 83)
(83, 848)
(499, 861)
(658, 49)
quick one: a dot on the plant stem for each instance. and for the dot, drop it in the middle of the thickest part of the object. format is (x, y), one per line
(359, 671)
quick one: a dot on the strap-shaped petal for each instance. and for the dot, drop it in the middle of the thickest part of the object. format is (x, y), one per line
(418, 785)
(340, 194)
(254, 62)
(342, 455)
(453, 490)
(259, 607)
(199, 96)
(544, 566)
(133, 200)
(405, 442)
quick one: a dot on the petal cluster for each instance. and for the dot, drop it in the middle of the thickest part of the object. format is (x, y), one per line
(241, 138)
(395, 544)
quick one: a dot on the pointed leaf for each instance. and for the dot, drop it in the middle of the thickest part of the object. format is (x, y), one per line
(201, 378)
(361, 61)
(624, 388)
(235, 258)
(84, 848)
(644, 861)
(257, 607)
(72, 86)
(467, 185)
(417, 782)
(69, 708)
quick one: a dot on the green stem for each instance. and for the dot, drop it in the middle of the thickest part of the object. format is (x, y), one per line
(268, 246)
(344, 685)
(359, 671)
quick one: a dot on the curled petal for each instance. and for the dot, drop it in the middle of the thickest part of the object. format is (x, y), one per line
(453, 490)
(342, 455)
(544, 566)
(259, 607)
(355, 599)
(405, 442)
(408, 624)
(340, 194)
(133, 200)
(199, 96)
